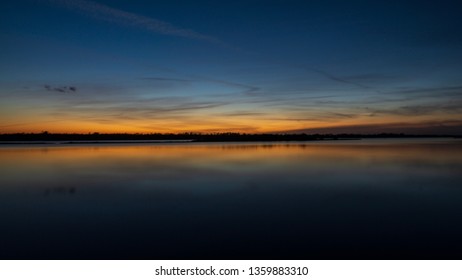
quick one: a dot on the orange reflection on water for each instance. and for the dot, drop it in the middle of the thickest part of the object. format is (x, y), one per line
(104, 164)
(215, 153)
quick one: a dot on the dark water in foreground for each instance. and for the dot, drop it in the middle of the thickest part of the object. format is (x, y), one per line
(364, 199)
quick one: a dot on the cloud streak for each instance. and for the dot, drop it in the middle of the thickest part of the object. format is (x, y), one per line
(106, 13)
(165, 79)
(443, 127)
(422, 110)
(61, 89)
(137, 109)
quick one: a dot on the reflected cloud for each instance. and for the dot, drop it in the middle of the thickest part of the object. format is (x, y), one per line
(60, 191)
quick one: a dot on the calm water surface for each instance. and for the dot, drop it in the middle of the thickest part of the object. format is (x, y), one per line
(332, 200)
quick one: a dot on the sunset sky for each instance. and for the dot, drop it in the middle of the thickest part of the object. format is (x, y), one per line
(242, 66)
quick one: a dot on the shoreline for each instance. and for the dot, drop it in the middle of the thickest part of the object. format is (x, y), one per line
(189, 141)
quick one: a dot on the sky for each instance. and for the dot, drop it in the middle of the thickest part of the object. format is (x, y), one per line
(242, 66)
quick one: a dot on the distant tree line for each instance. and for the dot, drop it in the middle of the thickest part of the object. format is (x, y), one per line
(197, 137)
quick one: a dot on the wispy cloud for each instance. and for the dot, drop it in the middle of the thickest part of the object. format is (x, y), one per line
(327, 74)
(339, 79)
(165, 79)
(61, 89)
(454, 107)
(28, 123)
(431, 91)
(248, 89)
(141, 109)
(106, 13)
(372, 78)
(442, 127)
(242, 113)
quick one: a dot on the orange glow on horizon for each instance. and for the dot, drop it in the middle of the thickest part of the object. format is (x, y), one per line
(205, 126)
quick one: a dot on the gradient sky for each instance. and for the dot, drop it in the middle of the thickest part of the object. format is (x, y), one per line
(245, 66)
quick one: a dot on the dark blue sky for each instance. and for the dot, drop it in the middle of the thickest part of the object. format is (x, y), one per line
(251, 66)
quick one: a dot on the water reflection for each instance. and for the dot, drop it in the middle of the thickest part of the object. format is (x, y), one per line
(345, 199)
